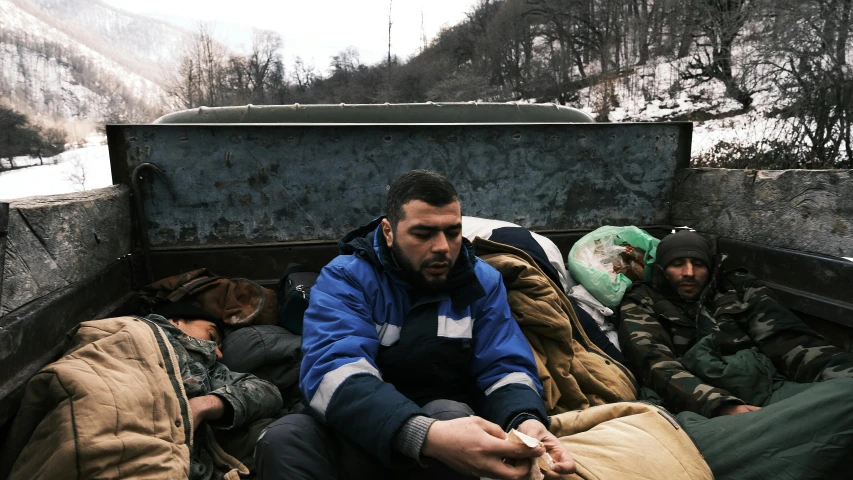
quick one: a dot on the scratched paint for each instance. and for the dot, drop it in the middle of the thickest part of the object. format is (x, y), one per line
(4, 226)
(236, 184)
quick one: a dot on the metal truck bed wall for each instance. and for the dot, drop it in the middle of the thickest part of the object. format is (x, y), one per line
(245, 200)
(4, 228)
(63, 259)
(241, 189)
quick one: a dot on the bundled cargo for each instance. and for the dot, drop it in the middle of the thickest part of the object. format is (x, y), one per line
(609, 259)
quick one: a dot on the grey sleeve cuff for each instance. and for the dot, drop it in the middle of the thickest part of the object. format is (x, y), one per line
(411, 436)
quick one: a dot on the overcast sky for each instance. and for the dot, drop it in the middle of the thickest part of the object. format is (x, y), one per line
(315, 29)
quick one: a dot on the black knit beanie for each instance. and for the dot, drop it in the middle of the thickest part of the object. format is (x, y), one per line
(187, 311)
(683, 244)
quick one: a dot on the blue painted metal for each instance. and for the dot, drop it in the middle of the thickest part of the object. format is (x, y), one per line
(257, 184)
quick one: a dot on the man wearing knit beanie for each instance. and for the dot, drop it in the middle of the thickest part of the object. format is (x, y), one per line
(761, 393)
(686, 259)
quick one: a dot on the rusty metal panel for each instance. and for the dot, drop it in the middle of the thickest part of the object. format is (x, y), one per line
(4, 231)
(249, 184)
(33, 336)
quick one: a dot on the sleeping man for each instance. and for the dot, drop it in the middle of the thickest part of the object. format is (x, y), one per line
(133, 397)
(761, 393)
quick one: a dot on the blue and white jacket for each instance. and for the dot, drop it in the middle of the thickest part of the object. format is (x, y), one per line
(374, 351)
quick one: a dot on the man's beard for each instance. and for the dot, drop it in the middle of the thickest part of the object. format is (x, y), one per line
(683, 291)
(416, 276)
(680, 289)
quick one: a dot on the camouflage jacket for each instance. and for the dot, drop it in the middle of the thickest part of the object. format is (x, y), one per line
(658, 327)
(248, 397)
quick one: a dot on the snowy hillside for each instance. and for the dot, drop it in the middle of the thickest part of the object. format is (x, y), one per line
(655, 93)
(79, 59)
(137, 42)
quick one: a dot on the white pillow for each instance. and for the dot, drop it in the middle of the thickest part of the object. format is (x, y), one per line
(473, 227)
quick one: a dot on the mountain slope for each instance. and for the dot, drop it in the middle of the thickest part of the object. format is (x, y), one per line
(139, 43)
(82, 60)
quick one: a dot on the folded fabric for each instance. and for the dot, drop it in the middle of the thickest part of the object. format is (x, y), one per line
(270, 353)
(550, 259)
(574, 372)
(597, 311)
(628, 441)
(804, 432)
(747, 374)
(237, 301)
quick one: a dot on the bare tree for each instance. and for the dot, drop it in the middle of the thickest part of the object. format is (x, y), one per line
(77, 175)
(814, 80)
(199, 77)
(423, 34)
(262, 61)
(304, 75)
(210, 56)
(721, 22)
(183, 84)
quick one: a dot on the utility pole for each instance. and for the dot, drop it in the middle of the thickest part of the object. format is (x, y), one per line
(388, 89)
(423, 33)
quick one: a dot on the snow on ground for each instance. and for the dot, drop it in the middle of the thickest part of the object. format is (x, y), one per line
(74, 171)
(655, 92)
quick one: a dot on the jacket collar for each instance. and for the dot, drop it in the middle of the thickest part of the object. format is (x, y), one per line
(367, 242)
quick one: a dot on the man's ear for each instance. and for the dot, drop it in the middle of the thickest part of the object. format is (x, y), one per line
(388, 232)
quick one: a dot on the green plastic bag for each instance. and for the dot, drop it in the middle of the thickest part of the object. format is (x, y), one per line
(591, 261)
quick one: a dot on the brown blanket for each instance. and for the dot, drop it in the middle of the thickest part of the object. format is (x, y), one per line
(575, 374)
(237, 301)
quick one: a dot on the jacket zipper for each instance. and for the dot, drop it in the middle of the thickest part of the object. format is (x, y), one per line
(175, 378)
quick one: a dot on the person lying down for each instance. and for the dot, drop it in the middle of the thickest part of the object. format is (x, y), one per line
(136, 397)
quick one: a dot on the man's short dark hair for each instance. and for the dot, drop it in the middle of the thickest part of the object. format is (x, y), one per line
(187, 311)
(423, 185)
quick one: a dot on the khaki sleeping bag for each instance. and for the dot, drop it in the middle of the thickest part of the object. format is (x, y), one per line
(112, 407)
(628, 441)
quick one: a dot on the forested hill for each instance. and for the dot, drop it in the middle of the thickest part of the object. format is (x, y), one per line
(82, 60)
(768, 81)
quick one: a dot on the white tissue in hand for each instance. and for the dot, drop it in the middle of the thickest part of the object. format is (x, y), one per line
(515, 436)
(545, 462)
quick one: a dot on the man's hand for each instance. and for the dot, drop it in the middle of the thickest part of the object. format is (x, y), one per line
(474, 446)
(735, 409)
(563, 462)
(207, 407)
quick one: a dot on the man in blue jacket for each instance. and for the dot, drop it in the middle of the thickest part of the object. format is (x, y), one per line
(413, 365)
